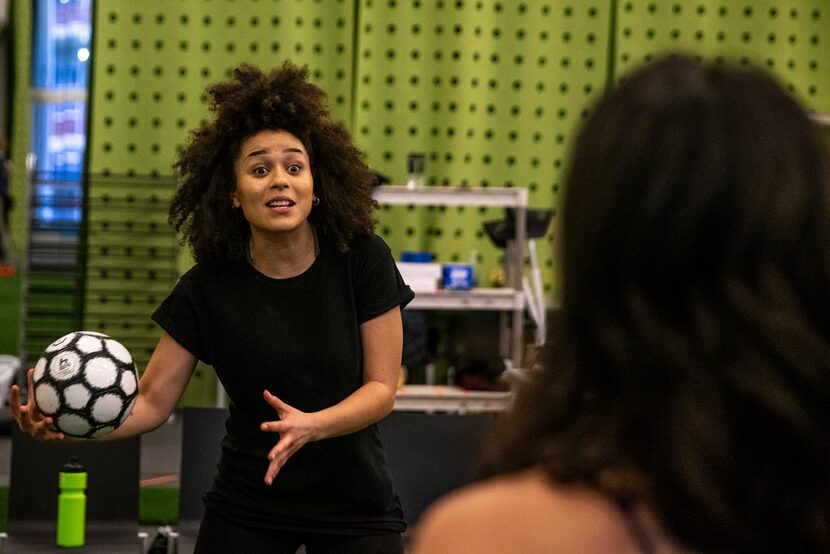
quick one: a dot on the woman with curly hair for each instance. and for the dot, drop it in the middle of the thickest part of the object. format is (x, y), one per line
(297, 306)
(684, 396)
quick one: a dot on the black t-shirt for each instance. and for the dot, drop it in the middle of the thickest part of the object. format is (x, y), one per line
(299, 338)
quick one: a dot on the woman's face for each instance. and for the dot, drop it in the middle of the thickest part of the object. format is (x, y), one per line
(274, 186)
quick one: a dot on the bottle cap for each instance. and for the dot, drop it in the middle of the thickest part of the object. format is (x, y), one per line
(73, 466)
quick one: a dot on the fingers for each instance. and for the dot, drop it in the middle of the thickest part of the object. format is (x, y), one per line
(282, 409)
(30, 379)
(28, 417)
(273, 426)
(293, 430)
(280, 406)
(48, 432)
(14, 400)
(277, 461)
(274, 466)
(43, 430)
(31, 403)
(279, 449)
(16, 408)
(37, 427)
(271, 472)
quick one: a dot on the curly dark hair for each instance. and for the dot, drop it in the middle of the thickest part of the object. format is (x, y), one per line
(250, 102)
(692, 348)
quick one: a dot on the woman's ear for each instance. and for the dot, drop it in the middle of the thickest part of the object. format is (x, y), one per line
(234, 200)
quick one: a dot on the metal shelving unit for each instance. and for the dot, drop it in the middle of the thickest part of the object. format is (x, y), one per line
(508, 300)
(822, 119)
(446, 399)
(487, 299)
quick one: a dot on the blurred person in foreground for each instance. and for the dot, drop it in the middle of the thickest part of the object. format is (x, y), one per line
(684, 397)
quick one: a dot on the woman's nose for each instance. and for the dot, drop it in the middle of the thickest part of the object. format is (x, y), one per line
(279, 179)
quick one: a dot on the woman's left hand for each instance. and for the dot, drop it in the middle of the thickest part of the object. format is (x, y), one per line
(296, 428)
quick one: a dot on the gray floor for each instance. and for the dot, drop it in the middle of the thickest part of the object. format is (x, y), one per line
(160, 454)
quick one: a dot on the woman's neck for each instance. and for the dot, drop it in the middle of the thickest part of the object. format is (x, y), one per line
(285, 255)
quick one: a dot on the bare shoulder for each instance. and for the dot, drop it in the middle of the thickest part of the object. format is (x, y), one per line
(522, 513)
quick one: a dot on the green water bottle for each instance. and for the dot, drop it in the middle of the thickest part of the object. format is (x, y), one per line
(71, 504)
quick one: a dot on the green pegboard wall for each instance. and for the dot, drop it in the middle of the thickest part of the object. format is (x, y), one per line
(791, 38)
(491, 91)
(152, 60)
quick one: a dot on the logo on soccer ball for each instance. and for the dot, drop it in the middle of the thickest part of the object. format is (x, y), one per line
(87, 383)
(65, 367)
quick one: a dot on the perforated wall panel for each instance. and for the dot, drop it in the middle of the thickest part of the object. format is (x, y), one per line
(789, 37)
(153, 59)
(491, 91)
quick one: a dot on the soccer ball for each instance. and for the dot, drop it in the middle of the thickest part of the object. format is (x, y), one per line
(87, 383)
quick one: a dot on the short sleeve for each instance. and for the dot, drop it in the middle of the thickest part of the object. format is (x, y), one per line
(178, 315)
(378, 284)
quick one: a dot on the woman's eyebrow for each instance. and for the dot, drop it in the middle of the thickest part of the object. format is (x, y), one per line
(261, 151)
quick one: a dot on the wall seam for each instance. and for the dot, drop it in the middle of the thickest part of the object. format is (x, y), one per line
(612, 45)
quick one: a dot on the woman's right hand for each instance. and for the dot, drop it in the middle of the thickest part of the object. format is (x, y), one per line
(28, 417)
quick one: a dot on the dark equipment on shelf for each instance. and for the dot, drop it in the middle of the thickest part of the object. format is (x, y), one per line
(502, 233)
(501, 230)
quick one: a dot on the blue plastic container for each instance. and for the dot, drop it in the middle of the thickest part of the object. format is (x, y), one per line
(458, 276)
(417, 257)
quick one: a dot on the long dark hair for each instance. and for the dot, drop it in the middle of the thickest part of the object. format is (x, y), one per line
(250, 102)
(692, 349)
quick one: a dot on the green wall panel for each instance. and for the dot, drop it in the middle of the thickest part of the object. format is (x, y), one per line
(491, 91)
(791, 38)
(152, 60)
(19, 139)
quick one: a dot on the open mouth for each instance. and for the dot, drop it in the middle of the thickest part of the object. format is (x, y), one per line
(280, 204)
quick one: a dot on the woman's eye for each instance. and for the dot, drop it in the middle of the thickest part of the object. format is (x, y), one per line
(259, 171)
(294, 168)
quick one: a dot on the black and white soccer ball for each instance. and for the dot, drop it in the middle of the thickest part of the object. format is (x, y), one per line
(87, 383)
